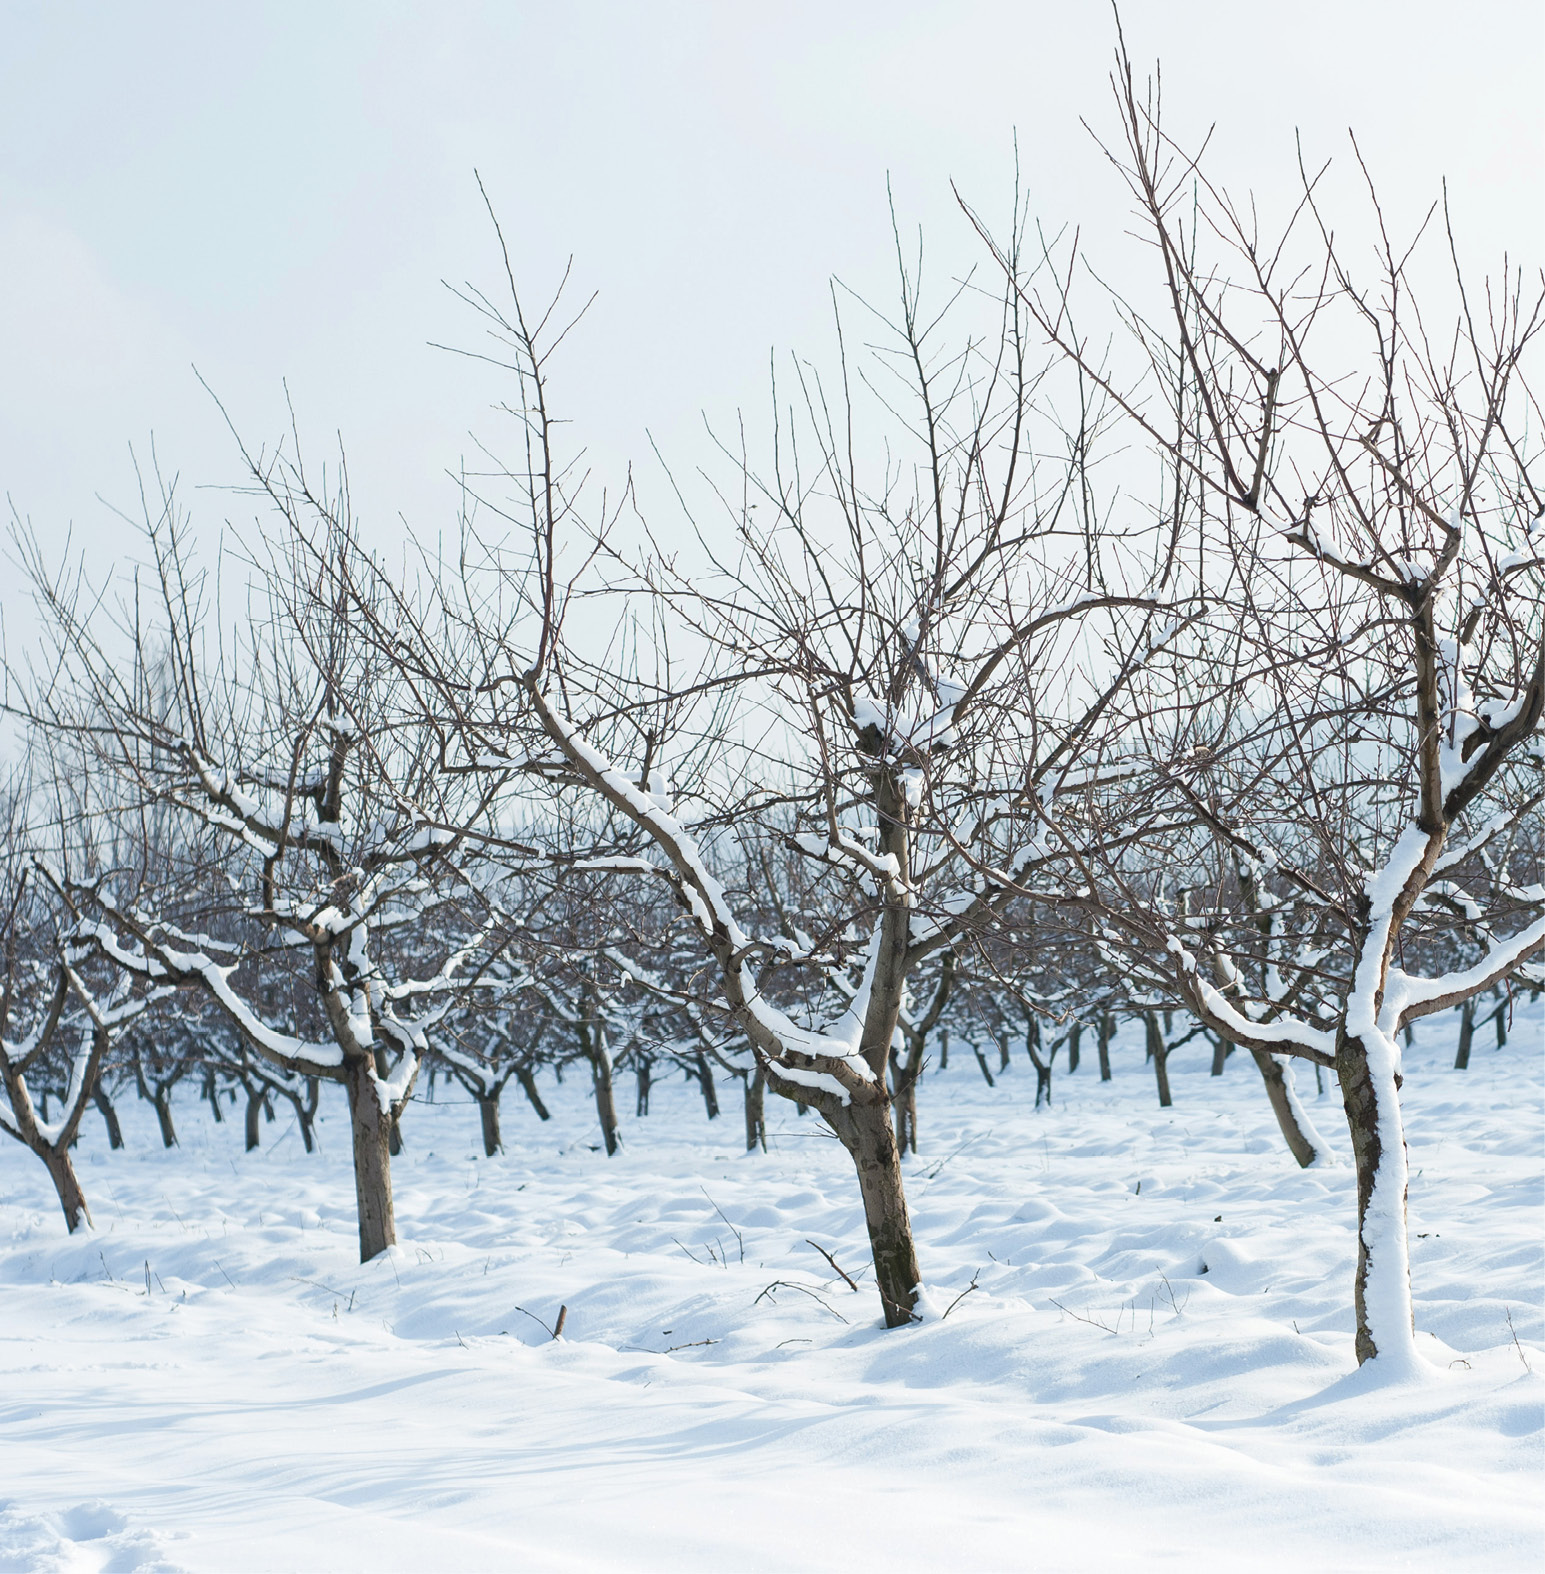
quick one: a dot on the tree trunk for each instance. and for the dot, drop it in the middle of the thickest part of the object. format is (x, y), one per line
(71, 1198)
(710, 1092)
(1466, 1034)
(162, 1100)
(528, 1087)
(306, 1112)
(1104, 1042)
(865, 1130)
(644, 1071)
(1297, 1130)
(906, 1114)
(1042, 1067)
(1219, 1054)
(981, 1060)
(756, 1111)
(904, 1095)
(605, 1099)
(254, 1110)
(109, 1115)
(393, 1136)
(1370, 1093)
(1075, 1034)
(1158, 1050)
(371, 1129)
(212, 1093)
(944, 1049)
(488, 1112)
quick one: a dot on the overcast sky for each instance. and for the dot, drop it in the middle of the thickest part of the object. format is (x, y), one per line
(275, 191)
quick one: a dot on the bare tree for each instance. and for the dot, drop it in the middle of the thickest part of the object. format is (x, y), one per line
(279, 851)
(890, 663)
(1341, 763)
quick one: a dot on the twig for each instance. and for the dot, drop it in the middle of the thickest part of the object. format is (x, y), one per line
(1518, 1347)
(1093, 1322)
(698, 1260)
(739, 1238)
(316, 1284)
(833, 1261)
(537, 1320)
(563, 1317)
(804, 1289)
(963, 1294)
(948, 1156)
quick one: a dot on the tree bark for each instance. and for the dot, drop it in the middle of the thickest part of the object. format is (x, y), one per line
(212, 1093)
(1382, 1292)
(906, 1114)
(488, 1113)
(1219, 1054)
(528, 1087)
(71, 1198)
(1296, 1130)
(1104, 1046)
(865, 1131)
(254, 1111)
(644, 1071)
(756, 1111)
(370, 1127)
(1075, 1035)
(1159, 1051)
(1466, 1034)
(161, 1099)
(605, 1096)
(705, 1080)
(109, 1115)
(306, 1112)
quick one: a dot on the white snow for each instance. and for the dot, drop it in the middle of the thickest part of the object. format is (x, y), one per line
(1155, 1371)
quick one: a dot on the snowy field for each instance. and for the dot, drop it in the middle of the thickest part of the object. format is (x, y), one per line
(1155, 1368)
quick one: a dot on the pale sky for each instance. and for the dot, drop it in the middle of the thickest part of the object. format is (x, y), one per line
(275, 191)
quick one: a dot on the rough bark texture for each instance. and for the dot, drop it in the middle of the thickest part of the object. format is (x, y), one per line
(71, 1198)
(1219, 1054)
(1360, 1098)
(371, 1129)
(865, 1130)
(1293, 1134)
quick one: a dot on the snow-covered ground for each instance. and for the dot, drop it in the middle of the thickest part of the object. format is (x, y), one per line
(1154, 1369)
